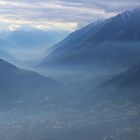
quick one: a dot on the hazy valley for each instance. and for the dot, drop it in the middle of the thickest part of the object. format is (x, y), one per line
(85, 87)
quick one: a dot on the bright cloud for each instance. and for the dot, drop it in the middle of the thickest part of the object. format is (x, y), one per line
(59, 14)
(13, 27)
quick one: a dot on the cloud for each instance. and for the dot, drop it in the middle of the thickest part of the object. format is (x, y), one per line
(59, 14)
(13, 27)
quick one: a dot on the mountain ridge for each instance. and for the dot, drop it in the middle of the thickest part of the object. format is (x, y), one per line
(19, 83)
(97, 45)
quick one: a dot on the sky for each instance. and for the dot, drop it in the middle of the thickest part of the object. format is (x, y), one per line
(58, 14)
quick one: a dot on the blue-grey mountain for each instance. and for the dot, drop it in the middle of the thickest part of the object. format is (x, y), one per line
(110, 44)
(18, 83)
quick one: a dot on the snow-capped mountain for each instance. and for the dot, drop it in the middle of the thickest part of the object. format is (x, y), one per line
(110, 44)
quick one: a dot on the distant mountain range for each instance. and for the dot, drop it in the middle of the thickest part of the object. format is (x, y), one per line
(32, 38)
(20, 44)
(112, 44)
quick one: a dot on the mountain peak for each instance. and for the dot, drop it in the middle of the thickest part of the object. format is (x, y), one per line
(130, 14)
(117, 38)
(137, 10)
